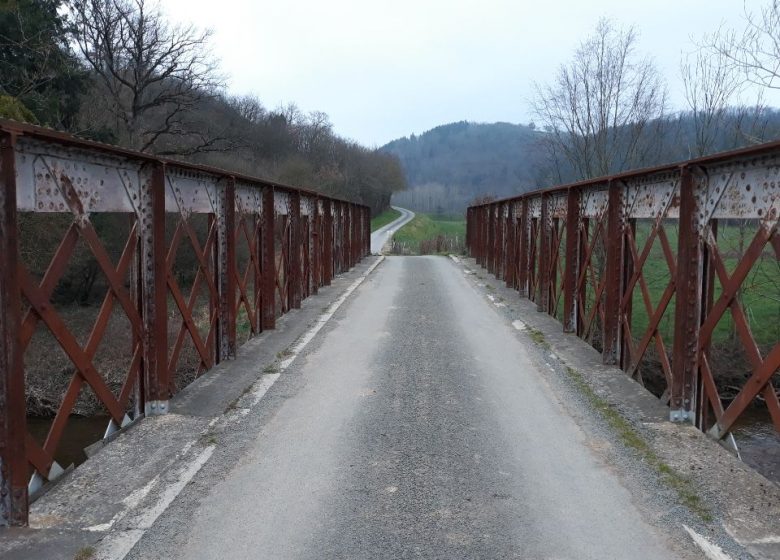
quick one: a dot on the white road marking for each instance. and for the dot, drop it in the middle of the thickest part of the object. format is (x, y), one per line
(260, 388)
(118, 543)
(324, 318)
(131, 501)
(710, 550)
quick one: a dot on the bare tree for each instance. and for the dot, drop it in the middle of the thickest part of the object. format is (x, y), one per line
(755, 50)
(600, 105)
(710, 84)
(152, 74)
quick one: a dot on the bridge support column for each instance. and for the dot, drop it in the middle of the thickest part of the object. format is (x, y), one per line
(367, 239)
(154, 294)
(296, 276)
(13, 418)
(226, 263)
(615, 268)
(268, 260)
(316, 238)
(327, 238)
(572, 261)
(510, 269)
(545, 254)
(523, 264)
(688, 303)
(491, 238)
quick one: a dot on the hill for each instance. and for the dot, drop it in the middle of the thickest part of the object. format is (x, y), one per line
(450, 165)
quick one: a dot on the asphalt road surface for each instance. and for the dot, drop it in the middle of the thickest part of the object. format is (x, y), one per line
(419, 427)
(382, 236)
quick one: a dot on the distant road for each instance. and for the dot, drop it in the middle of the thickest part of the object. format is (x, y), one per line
(381, 236)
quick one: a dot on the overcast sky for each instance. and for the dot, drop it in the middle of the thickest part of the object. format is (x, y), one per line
(383, 70)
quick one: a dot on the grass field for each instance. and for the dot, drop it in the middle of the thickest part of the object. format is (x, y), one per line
(384, 218)
(427, 227)
(759, 294)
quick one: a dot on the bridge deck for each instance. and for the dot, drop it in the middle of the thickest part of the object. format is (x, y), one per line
(421, 427)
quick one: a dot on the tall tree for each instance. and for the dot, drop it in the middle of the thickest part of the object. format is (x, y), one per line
(756, 49)
(598, 108)
(152, 74)
(710, 84)
(38, 70)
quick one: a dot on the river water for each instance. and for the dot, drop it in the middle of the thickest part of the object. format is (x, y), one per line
(80, 433)
(759, 442)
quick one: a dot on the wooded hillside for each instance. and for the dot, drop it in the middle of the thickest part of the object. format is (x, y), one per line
(118, 71)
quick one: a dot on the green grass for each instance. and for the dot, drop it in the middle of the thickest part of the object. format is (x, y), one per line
(759, 293)
(425, 227)
(384, 218)
(85, 553)
(538, 337)
(759, 296)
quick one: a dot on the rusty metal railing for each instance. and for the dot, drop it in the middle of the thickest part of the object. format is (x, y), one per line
(672, 273)
(289, 241)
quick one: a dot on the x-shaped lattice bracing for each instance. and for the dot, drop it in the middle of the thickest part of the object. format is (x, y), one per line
(282, 269)
(39, 295)
(187, 308)
(654, 314)
(588, 270)
(763, 368)
(252, 266)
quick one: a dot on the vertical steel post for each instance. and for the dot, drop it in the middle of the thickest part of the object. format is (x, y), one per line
(268, 260)
(545, 250)
(257, 269)
(627, 308)
(353, 235)
(154, 293)
(523, 264)
(572, 260)
(688, 303)
(345, 237)
(296, 277)
(511, 266)
(479, 215)
(491, 238)
(327, 269)
(316, 221)
(701, 405)
(613, 291)
(468, 230)
(367, 231)
(225, 270)
(500, 241)
(13, 417)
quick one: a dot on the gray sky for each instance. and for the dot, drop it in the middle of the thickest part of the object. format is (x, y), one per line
(383, 70)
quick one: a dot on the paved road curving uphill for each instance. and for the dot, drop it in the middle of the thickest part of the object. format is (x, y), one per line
(383, 235)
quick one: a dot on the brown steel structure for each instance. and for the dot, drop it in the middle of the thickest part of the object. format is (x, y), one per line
(295, 241)
(574, 250)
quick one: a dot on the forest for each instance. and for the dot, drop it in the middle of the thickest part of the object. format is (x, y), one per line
(607, 109)
(450, 166)
(119, 72)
